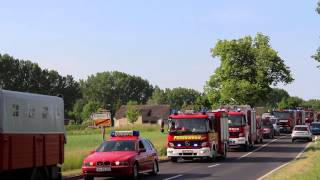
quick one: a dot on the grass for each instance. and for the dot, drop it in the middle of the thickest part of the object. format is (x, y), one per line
(307, 167)
(80, 141)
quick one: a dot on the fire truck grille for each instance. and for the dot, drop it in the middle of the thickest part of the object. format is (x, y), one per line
(234, 134)
(105, 163)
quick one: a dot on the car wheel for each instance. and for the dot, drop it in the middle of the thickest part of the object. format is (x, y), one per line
(88, 177)
(135, 172)
(155, 168)
(174, 159)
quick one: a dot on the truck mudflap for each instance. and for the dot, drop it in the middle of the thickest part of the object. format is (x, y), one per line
(203, 152)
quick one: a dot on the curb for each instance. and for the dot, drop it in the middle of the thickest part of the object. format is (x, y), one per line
(75, 177)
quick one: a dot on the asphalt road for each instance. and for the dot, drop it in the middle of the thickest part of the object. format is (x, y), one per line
(238, 165)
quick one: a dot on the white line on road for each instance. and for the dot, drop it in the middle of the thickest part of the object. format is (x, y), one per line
(260, 148)
(174, 177)
(276, 169)
(214, 165)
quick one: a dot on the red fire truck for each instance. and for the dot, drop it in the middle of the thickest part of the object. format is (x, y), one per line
(197, 135)
(244, 127)
(289, 118)
(311, 116)
(32, 136)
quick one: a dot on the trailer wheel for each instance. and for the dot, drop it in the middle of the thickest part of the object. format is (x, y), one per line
(40, 174)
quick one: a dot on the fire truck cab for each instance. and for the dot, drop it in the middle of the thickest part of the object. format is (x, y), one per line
(243, 127)
(197, 135)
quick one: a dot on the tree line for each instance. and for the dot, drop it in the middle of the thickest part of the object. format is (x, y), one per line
(249, 70)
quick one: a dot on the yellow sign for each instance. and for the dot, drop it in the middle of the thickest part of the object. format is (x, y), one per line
(191, 137)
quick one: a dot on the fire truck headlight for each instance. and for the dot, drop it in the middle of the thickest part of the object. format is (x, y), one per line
(179, 145)
(195, 145)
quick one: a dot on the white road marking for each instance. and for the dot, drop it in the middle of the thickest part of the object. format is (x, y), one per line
(263, 146)
(276, 169)
(214, 165)
(174, 177)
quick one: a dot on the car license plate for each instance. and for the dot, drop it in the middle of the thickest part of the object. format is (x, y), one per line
(187, 151)
(103, 169)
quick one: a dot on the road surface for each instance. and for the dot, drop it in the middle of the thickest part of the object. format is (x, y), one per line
(239, 165)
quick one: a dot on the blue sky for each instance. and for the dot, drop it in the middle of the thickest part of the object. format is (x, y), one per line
(164, 41)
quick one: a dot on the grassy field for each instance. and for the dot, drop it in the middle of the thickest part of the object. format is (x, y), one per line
(81, 141)
(306, 167)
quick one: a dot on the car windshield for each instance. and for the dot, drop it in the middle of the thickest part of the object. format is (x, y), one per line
(110, 146)
(315, 125)
(281, 115)
(185, 125)
(235, 121)
(266, 124)
(301, 129)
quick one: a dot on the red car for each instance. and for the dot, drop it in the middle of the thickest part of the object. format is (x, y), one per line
(124, 154)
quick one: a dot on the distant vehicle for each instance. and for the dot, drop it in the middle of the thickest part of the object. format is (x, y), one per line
(197, 135)
(243, 129)
(268, 131)
(32, 136)
(274, 121)
(301, 132)
(315, 128)
(125, 154)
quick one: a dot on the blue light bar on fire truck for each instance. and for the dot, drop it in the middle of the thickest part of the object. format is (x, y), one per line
(124, 133)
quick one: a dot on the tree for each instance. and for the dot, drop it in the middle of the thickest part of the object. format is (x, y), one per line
(132, 113)
(291, 103)
(248, 68)
(115, 88)
(89, 108)
(316, 56)
(26, 76)
(275, 97)
(313, 104)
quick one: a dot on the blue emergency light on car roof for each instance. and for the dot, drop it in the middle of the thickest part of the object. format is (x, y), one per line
(124, 133)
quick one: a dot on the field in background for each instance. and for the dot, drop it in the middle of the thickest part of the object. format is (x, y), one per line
(81, 140)
(307, 167)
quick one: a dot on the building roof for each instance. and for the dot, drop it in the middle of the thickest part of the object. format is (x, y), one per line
(152, 112)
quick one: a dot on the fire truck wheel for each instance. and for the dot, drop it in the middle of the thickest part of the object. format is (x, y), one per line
(88, 177)
(246, 147)
(174, 159)
(39, 174)
(261, 140)
(224, 155)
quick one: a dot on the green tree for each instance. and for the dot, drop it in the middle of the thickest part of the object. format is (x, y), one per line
(313, 104)
(26, 76)
(316, 56)
(89, 108)
(248, 68)
(115, 88)
(291, 103)
(132, 113)
(275, 96)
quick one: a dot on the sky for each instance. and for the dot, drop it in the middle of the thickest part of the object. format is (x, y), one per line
(166, 42)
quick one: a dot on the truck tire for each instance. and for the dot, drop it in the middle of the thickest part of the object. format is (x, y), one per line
(224, 155)
(87, 177)
(246, 147)
(39, 174)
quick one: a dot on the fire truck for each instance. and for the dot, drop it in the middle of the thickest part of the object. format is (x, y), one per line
(32, 136)
(311, 116)
(201, 135)
(289, 118)
(244, 127)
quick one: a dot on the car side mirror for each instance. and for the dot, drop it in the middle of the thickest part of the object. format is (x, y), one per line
(93, 151)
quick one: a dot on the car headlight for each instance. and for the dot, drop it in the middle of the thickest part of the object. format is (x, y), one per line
(121, 163)
(88, 164)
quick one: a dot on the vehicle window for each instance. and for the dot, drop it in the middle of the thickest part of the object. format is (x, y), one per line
(301, 129)
(188, 125)
(110, 146)
(141, 146)
(147, 145)
(151, 144)
(315, 126)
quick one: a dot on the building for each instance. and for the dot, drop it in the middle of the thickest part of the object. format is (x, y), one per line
(149, 114)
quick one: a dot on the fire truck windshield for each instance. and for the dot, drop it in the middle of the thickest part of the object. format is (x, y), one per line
(281, 115)
(187, 126)
(235, 121)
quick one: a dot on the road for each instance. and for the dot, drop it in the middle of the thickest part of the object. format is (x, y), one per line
(239, 165)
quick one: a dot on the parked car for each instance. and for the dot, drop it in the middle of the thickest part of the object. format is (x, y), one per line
(267, 127)
(124, 155)
(301, 132)
(315, 128)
